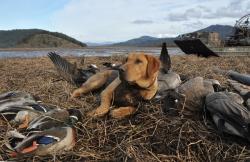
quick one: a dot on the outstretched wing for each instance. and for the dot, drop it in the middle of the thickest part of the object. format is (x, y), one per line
(69, 71)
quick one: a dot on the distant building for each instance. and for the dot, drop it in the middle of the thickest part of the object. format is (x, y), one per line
(211, 39)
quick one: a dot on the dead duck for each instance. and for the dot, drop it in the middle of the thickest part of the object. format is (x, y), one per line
(243, 90)
(51, 141)
(195, 90)
(50, 133)
(167, 79)
(234, 75)
(13, 98)
(21, 107)
(172, 102)
(70, 72)
(188, 98)
(55, 118)
(228, 114)
(24, 114)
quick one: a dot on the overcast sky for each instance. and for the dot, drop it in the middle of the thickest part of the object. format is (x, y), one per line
(119, 20)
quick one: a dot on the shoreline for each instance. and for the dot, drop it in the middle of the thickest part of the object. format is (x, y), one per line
(87, 51)
(88, 47)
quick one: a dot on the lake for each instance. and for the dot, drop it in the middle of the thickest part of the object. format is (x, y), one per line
(88, 51)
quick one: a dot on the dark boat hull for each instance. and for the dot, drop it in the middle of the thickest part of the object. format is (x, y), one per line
(195, 46)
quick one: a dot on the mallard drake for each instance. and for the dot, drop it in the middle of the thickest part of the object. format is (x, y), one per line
(70, 72)
(228, 113)
(55, 118)
(51, 141)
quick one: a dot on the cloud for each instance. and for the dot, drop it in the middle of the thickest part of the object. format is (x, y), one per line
(187, 15)
(109, 20)
(235, 9)
(231, 9)
(194, 24)
(142, 22)
(176, 17)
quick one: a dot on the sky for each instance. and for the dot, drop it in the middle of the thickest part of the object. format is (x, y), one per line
(119, 20)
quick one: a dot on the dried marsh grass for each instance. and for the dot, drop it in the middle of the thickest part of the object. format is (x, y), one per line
(149, 135)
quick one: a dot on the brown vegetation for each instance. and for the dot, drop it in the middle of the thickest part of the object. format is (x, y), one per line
(147, 136)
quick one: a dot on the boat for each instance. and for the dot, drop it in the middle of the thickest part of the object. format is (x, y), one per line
(209, 43)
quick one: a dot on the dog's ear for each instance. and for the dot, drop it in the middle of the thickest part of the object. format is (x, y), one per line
(153, 65)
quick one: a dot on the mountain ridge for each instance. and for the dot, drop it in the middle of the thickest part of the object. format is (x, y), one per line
(224, 31)
(18, 37)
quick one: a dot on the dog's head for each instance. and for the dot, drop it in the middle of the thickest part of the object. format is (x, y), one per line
(140, 69)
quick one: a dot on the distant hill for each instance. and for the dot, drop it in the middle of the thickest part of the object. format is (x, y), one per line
(36, 38)
(224, 30)
(146, 41)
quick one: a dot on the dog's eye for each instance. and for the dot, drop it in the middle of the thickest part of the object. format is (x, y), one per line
(137, 61)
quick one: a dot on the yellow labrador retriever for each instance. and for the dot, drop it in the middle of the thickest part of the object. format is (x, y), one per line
(134, 81)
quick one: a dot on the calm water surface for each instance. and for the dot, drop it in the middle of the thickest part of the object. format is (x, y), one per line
(88, 51)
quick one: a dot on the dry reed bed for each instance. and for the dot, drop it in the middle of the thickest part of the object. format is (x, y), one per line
(147, 136)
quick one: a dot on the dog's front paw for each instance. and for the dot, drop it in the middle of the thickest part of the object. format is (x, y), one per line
(122, 112)
(99, 112)
(76, 93)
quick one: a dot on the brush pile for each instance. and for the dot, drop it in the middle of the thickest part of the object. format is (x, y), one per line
(149, 135)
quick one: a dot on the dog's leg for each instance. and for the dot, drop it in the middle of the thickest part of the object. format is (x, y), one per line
(123, 112)
(93, 83)
(106, 98)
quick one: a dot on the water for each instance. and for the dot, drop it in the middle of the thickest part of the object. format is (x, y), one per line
(88, 51)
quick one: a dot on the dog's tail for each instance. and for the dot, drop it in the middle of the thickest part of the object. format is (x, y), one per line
(165, 58)
(69, 71)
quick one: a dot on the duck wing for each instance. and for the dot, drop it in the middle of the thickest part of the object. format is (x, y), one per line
(222, 106)
(44, 138)
(242, 78)
(15, 95)
(69, 71)
(243, 89)
(50, 119)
